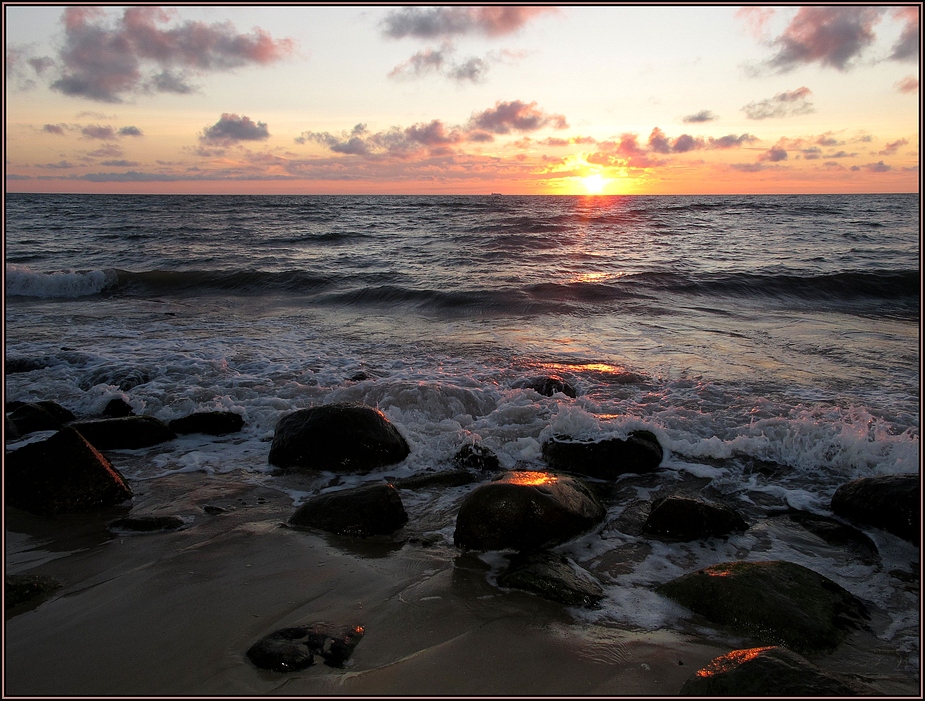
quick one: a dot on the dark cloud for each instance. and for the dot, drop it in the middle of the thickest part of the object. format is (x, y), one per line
(785, 104)
(517, 116)
(106, 151)
(701, 116)
(879, 167)
(232, 128)
(104, 61)
(908, 84)
(828, 140)
(60, 165)
(660, 143)
(130, 131)
(812, 153)
(832, 35)
(395, 142)
(774, 155)
(434, 61)
(54, 128)
(95, 131)
(907, 46)
(731, 141)
(443, 22)
(122, 164)
(473, 70)
(892, 147)
(841, 154)
(749, 167)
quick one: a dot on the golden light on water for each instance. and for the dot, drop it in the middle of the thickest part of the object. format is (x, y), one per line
(530, 479)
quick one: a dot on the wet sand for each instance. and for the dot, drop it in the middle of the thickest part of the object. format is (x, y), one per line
(173, 613)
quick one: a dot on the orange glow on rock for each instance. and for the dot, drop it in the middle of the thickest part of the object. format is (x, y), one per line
(731, 660)
(530, 479)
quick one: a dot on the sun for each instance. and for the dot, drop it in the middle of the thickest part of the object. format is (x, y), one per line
(595, 184)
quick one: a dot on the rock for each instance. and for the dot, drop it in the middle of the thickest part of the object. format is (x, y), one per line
(548, 386)
(62, 474)
(292, 649)
(553, 577)
(128, 432)
(890, 502)
(31, 417)
(23, 588)
(526, 510)
(18, 365)
(10, 431)
(766, 671)
(212, 423)
(834, 533)
(777, 602)
(362, 511)
(605, 459)
(339, 437)
(451, 478)
(688, 518)
(148, 524)
(117, 408)
(123, 378)
(476, 457)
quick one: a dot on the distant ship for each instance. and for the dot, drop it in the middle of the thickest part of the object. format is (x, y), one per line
(496, 194)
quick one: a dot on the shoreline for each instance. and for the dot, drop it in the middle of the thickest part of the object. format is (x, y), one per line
(173, 613)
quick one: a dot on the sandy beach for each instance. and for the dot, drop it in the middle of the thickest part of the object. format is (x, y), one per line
(173, 613)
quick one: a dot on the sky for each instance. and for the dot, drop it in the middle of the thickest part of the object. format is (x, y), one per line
(390, 99)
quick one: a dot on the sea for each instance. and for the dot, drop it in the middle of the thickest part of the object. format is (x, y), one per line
(771, 343)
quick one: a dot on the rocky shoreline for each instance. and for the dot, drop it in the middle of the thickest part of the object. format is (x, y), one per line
(56, 464)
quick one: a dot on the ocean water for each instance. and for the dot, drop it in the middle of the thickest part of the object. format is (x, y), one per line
(744, 331)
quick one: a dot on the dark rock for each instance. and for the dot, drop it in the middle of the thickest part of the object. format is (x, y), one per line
(32, 417)
(128, 432)
(688, 518)
(117, 408)
(779, 603)
(359, 377)
(454, 478)
(212, 423)
(476, 457)
(62, 474)
(292, 649)
(148, 524)
(362, 511)
(123, 378)
(548, 386)
(10, 431)
(23, 588)
(834, 533)
(214, 510)
(57, 411)
(526, 511)
(890, 502)
(345, 437)
(18, 365)
(606, 459)
(552, 577)
(766, 671)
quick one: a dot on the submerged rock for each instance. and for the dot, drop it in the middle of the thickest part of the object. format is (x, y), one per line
(688, 518)
(766, 671)
(427, 480)
(62, 474)
(890, 502)
(123, 378)
(777, 602)
(605, 459)
(24, 588)
(148, 524)
(548, 386)
(117, 408)
(476, 457)
(39, 416)
(362, 511)
(339, 437)
(212, 423)
(292, 649)
(553, 577)
(128, 432)
(526, 511)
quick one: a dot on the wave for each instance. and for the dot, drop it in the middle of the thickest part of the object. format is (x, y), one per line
(24, 282)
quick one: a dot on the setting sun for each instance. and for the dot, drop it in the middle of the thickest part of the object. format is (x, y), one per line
(595, 184)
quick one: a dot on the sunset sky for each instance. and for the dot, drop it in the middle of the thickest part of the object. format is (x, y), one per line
(444, 100)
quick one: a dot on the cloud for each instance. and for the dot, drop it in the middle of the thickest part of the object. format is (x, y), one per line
(774, 154)
(879, 167)
(517, 116)
(785, 104)
(96, 131)
(54, 128)
(756, 19)
(106, 151)
(749, 167)
(123, 164)
(892, 147)
(444, 22)
(433, 61)
(394, 142)
(660, 143)
(831, 35)
(907, 46)
(701, 116)
(105, 62)
(731, 141)
(908, 84)
(130, 131)
(232, 128)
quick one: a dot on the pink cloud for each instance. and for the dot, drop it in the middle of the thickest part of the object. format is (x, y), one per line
(908, 84)
(832, 35)
(436, 22)
(907, 46)
(231, 128)
(517, 116)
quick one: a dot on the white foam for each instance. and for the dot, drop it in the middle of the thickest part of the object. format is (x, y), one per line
(21, 281)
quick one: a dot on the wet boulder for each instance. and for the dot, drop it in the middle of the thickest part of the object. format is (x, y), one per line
(27, 588)
(10, 431)
(117, 407)
(39, 416)
(212, 423)
(526, 511)
(339, 437)
(776, 602)
(766, 671)
(292, 649)
(430, 480)
(128, 432)
(683, 517)
(553, 577)
(61, 474)
(890, 502)
(147, 524)
(548, 386)
(605, 459)
(361, 511)
(476, 456)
